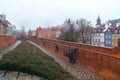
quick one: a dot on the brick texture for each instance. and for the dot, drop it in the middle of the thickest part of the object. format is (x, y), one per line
(105, 61)
(6, 40)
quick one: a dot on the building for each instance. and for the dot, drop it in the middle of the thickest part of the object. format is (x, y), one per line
(115, 26)
(2, 30)
(116, 36)
(112, 34)
(48, 33)
(108, 34)
(84, 32)
(98, 35)
(108, 37)
(6, 27)
(115, 21)
(98, 21)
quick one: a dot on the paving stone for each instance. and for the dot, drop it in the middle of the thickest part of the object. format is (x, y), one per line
(4, 51)
(13, 76)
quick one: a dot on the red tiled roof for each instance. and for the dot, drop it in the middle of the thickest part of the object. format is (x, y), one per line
(88, 28)
(6, 22)
(113, 27)
(101, 27)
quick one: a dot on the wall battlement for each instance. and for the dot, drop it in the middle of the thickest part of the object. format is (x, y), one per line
(105, 61)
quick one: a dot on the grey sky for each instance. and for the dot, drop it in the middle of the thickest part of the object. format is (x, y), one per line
(44, 13)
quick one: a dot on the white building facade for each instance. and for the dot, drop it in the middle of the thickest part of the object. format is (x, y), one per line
(98, 39)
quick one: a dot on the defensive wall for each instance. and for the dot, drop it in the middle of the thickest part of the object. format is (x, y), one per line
(6, 40)
(105, 61)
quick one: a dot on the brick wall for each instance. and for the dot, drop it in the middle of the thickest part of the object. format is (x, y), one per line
(6, 40)
(105, 61)
(48, 33)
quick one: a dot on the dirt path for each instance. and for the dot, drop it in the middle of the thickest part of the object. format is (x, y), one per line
(77, 70)
(4, 51)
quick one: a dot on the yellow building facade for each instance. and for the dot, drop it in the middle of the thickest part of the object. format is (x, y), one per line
(115, 38)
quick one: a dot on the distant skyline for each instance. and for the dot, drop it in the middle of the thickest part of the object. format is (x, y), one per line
(47, 13)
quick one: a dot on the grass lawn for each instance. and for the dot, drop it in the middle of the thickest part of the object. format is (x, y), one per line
(28, 58)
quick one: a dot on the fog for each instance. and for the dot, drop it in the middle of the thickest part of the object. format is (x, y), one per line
(47, 13)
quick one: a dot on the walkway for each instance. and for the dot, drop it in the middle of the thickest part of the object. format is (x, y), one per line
(13, 46)
(79, 71)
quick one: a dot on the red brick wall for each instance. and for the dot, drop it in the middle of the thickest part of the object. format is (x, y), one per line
(100, 59)
(48, 33)
(6, 40)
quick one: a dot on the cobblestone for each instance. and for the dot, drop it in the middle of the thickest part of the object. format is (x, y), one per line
(77, 70)
(8, 75)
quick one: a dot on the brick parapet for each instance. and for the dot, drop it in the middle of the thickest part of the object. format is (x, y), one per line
(96, 58)
(6, 40)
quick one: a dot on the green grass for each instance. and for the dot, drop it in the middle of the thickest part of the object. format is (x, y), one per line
(28, 58)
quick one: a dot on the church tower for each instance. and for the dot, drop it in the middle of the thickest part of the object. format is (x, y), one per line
(98, 21)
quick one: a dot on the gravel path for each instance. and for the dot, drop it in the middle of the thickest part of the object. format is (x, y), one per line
(4, 51)
(77, 70)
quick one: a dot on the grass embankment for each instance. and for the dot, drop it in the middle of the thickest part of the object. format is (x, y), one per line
(28, 58)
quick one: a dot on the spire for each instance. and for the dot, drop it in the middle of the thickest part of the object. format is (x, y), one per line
(69, 21)
(98, 21)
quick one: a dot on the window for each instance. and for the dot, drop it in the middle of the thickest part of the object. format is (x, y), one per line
(109, 36)
(99, 30)
(119, 30)
(116, 31)
(108, 30)
(98, 40)
(99, 35)
(109, 42)
(106, 42)
(95, 30)
(105, 36)
(92, 34)
(96, 35)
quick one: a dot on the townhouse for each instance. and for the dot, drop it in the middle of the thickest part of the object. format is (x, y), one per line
(6, 27)
(116, 36)
(98, 35)
(106, 35)
(109, 35)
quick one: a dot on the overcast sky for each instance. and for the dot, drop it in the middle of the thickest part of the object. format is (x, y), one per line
(44, 13)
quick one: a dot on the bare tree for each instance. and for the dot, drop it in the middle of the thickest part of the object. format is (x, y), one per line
(68, 32)
(84, 29)
(76, 31)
